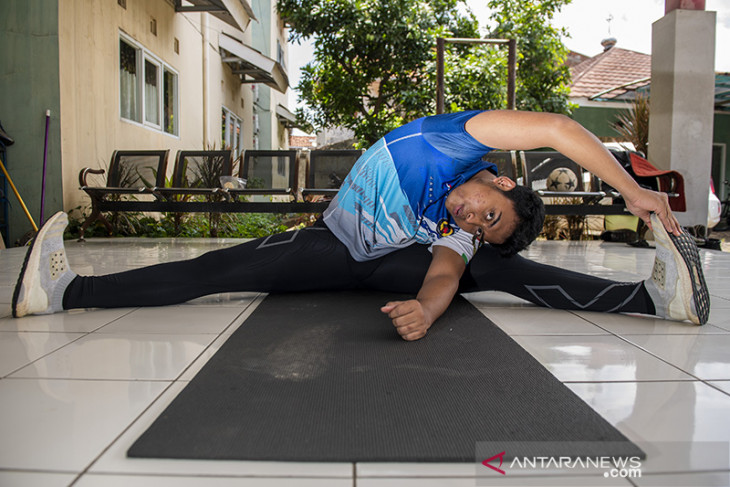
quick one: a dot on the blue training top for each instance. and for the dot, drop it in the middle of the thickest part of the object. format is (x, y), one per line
(395, 193)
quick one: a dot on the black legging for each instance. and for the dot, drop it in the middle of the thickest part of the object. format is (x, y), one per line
(313, 259)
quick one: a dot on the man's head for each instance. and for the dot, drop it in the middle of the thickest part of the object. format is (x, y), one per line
(496, 210)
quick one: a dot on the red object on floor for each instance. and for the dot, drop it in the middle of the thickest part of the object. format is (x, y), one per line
(666, 181)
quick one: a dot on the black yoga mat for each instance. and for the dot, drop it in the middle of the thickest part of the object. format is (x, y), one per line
(325, 377)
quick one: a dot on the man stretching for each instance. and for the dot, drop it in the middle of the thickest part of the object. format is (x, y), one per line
(412, 216)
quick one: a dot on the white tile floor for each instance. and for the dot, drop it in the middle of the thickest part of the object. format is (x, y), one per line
(77, 388)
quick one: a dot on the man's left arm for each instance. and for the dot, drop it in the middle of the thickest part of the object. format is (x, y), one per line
(414, 317)
(516, 130)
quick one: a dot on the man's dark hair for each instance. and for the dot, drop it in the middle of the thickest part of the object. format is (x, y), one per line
(530, 217)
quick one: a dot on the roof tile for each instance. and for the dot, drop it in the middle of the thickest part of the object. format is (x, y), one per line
(610, 69)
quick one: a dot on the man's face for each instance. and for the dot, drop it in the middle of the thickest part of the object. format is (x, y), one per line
(480, 206)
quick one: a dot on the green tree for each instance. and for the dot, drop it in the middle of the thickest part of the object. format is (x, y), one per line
(543, 79)
(374, 63)
(372, 58)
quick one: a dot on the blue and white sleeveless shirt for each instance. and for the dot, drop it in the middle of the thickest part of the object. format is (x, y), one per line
(395, 194)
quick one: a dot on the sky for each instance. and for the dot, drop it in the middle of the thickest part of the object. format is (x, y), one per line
(586, 21)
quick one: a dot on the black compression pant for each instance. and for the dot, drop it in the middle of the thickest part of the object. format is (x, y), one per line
(313, 259)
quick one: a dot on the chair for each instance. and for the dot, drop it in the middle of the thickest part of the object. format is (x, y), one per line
(328, 169)
(131, 173)
(506, 162)
(198, 172)
(537, 166)
(268, 173)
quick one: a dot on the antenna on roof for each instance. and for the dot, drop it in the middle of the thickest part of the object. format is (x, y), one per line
(610, 41)
(609, 19)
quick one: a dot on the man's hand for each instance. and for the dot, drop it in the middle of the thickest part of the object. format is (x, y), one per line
(645, 202)
(409, 318)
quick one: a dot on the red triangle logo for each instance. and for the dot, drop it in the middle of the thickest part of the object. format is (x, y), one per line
(496, 469)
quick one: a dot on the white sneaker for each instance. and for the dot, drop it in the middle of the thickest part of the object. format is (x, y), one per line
(45, 273)
(677, 284)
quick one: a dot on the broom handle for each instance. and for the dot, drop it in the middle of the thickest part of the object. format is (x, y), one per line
(45, 154)
(27, 213)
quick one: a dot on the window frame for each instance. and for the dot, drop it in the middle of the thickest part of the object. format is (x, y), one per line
(143, 56)
(236, 122)
(175, 102)
(158, 79)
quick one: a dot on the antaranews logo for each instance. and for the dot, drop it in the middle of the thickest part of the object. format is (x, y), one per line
(487, 463)
(615, 467)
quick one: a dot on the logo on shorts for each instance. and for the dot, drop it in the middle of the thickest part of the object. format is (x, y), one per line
(444, 228)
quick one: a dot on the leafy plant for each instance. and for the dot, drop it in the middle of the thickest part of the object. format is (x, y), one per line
(193, 225)
(565, 227)
(633, 124)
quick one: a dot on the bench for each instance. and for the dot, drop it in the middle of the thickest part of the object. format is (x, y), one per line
(537, 167)
(136, 182)
(131, 173)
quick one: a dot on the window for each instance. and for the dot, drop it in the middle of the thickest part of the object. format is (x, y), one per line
(169, 101)
(151, 93)
(280, 54)
(148, 88)
(128, 82)
(232, 135)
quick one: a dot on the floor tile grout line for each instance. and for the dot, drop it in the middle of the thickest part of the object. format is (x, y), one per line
(212, 475)
(709, 383)
(37, 470)
(173, 382)
(122, 433)
(626, 381)
(82, 335)
(696, 378)
(96, 330)
(257, 301)
(86, 379)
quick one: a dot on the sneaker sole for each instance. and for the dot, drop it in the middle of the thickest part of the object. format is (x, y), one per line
(33, 260)
(685, 247)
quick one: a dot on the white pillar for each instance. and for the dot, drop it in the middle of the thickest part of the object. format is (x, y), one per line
(682, 103)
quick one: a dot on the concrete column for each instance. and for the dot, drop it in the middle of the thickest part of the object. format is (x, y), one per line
(682, 103)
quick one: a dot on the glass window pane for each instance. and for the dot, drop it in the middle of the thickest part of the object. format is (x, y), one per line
(151, 93)
(170, 102)
(223, 130)
(128, 98)
(236, 149)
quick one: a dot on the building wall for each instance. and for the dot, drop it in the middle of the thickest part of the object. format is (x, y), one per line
(64, 55)
(266, 33)
(89, 51)
(598, 119)
(29, 84)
